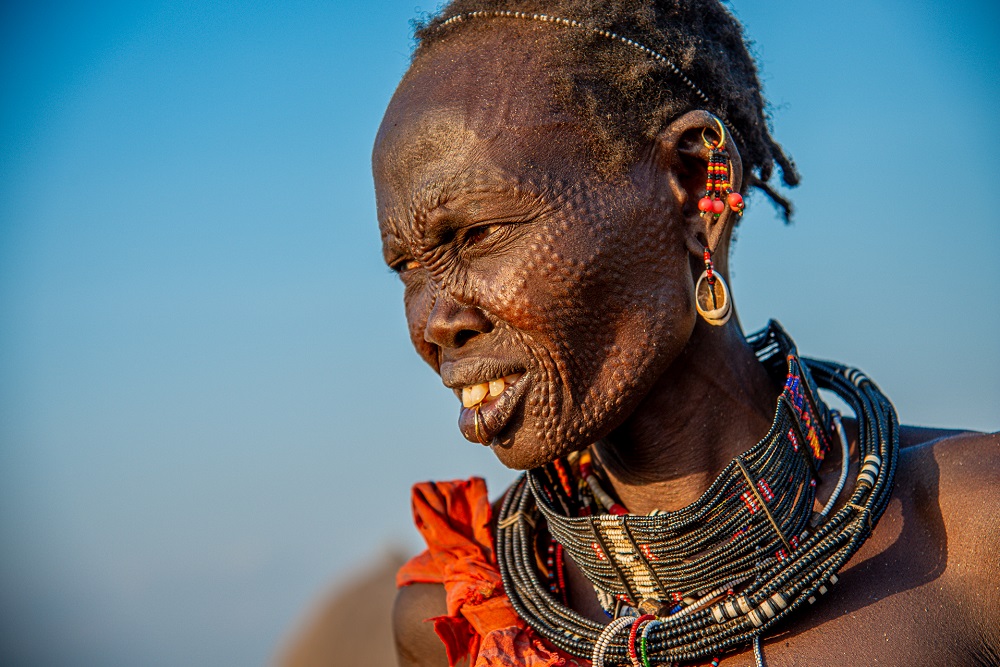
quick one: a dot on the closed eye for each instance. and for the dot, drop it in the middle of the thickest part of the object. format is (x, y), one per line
(480, 233)
(404, 265)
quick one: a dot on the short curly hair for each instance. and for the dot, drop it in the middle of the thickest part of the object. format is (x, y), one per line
(623, 95)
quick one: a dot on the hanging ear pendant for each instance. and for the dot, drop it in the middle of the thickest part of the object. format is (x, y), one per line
(711, 295)
(719, 193)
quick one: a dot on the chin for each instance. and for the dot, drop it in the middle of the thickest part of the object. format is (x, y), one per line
(519, 451)
(551, 424)
(524, 448)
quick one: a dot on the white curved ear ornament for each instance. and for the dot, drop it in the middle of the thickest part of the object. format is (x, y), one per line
(711, 298)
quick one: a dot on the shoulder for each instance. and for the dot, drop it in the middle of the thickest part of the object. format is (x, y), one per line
(962, 466)
(457, 522)
(953, 474)
(951, 483)
(417, 644)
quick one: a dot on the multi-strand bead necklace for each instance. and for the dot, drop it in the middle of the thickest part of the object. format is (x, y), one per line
(712, 576)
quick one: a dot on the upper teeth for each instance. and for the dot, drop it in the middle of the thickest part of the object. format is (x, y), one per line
(475, 394)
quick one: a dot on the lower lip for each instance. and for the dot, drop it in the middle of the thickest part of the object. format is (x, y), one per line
(493, 416)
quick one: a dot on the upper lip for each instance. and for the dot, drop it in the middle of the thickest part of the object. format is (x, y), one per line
(459, 374)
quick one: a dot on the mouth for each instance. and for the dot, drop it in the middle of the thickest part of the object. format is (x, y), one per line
(488, 406)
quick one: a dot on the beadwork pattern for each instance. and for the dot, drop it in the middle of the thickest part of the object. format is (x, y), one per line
(774, 559)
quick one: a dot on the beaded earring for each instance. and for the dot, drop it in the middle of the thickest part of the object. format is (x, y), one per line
(711, 295)
(718, 185)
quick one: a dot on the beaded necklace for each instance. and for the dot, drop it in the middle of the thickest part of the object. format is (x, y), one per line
(717, 574)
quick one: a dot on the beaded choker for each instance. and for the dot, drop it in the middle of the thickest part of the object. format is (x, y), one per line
(714, 575)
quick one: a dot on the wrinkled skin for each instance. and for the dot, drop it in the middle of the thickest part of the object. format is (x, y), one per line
(517, 255)
(510, 250)
(517, 260)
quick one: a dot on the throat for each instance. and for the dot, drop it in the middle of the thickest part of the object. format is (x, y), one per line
(713, 404)
(721, 571)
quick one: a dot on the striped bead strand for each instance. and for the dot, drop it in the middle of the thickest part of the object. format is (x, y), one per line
(643, 653)
(604, 640)
(812, 567)
(633, 632)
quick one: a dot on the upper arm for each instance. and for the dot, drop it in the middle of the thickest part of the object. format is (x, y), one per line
(969, 470)
(966, 471)
(417, 645)
(970, 492)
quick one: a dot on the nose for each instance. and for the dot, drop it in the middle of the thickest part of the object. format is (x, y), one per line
(452, 324)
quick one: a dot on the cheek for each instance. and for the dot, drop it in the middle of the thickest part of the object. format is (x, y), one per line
(579, 280)
(550, 277)
(609, 296)
(417, 301)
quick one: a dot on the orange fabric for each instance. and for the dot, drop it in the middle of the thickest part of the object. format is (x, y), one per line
(481, 624)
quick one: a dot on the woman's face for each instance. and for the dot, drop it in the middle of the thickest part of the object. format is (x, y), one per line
(563, 292)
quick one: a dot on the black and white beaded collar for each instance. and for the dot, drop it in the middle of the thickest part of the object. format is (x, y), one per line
(722, 570)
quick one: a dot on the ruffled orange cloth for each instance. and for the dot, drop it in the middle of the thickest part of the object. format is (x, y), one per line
(481, 624)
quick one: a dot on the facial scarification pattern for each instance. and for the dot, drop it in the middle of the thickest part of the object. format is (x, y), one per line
(558, 298)
(521, 257)
(621, 95)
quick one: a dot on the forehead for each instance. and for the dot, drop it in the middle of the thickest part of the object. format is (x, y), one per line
(477, 110)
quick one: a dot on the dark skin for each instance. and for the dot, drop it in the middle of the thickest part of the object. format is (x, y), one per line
(518, 256)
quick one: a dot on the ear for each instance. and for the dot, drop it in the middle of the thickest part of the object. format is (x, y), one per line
(683, 156)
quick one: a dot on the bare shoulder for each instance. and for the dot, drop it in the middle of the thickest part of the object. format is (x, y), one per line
(965, 465)
(953, 481)
(417, 645)
(928, 577)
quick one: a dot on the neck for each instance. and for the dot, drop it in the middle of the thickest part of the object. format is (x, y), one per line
(715, 402)
(741, 557)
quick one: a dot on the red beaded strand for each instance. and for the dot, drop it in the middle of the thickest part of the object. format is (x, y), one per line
(561, 574)
(632, 653)
(550, 564)
(707, 255)
(718, 186)
(555, 563)
(560, 467)
(710, 276)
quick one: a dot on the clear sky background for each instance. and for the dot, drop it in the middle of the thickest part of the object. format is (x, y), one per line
(209, 408)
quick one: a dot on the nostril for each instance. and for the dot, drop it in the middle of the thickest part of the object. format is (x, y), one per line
(462, 337)
(452, 324)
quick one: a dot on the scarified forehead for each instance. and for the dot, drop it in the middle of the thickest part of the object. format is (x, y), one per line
(496, 79)
(476, 108)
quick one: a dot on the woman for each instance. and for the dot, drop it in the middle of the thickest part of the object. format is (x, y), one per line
(557, 188)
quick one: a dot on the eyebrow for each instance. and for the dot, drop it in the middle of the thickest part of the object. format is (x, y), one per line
(452, 205)
(472, 205)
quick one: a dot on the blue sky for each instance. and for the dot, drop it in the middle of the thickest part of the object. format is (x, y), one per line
(209, 410)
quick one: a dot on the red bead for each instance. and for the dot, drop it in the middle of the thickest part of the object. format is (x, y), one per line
(735, 201)
(705, 204)
(617, 509)
(718, 206)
